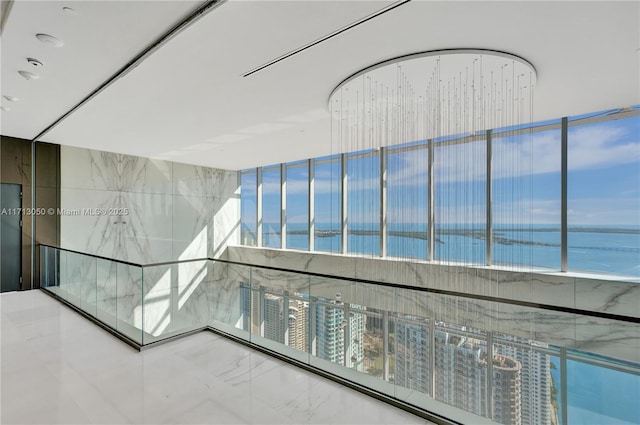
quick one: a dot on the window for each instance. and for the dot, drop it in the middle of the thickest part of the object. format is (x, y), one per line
(526, 197)
(327, 200)
(248, 218)
(460, 200)
(363, 203)
(604, 197)
(271, 207)
(407, 201)
(525, 188)
(298, 206)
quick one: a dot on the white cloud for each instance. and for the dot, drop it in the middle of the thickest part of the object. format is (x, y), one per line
(590, 147)
(604, 211)
(463, 162)
(296, 187)
(407, 214)
(527, 212)
(597, 148)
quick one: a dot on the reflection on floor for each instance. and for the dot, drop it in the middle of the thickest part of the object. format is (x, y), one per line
(57, 367)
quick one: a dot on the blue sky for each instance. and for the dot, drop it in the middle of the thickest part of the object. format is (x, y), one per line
(604, 182)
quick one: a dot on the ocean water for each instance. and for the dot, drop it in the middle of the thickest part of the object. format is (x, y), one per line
(613, 250)
(598, 395)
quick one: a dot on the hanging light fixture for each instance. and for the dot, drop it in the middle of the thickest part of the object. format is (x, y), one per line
(430, 95)
(446, 99)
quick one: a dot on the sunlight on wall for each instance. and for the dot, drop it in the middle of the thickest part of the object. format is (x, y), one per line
(226, 224)
(190, 275)
(157, 306)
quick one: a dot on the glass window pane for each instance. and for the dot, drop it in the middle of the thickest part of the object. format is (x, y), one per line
(363, 204)
(298, 207)
(526, 199)
(598, 395)
(604, 197)
(271, 207)
(328, 195)
(248, 220)
(407, 198)
(460, 201)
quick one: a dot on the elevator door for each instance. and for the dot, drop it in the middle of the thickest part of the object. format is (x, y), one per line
(10, 236)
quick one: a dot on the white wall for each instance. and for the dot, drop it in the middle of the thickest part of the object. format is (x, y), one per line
(175, 211)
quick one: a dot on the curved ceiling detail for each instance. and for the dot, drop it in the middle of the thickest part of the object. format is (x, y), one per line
(430, 95)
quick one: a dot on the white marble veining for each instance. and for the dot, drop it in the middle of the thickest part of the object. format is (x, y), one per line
(161, 208)
(181, 297)
(225, 224)
(193, 227)
(607, 295)
(75, 373)
(167, 212)
(97, 170)
(144, 234)
(226, 292)
(612, 296)
(87, 233)
(177, 298)
(194, 180)
(617, 339)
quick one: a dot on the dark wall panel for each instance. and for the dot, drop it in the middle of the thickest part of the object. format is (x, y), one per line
(16, 167)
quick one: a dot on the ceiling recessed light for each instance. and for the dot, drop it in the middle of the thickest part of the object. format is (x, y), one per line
(69, 11)
(10, 98)
(34, 62)
(5, 108)
(29, 75)
(50, 40)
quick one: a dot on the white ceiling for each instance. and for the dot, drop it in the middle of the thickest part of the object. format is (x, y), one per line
(188, 101)
(99, 40)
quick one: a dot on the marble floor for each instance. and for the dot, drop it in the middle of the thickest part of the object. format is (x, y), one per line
(59, 368)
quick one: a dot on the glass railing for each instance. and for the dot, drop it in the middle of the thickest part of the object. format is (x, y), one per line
(468, 359)
(141, 303)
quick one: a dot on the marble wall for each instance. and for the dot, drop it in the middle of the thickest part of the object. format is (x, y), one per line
(559, 289)
(145, 211)
(156, 211)
(615, 338)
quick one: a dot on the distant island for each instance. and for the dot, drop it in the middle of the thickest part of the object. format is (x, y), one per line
(498, 235)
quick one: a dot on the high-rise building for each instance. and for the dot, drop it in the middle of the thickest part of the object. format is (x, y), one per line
(506, 389)
(412, 367)
(291, 330)
(340, 340)
(274, 318)
(250, 309)
(535, 381)
(298, 330)
(461, 378)
(461, 371)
